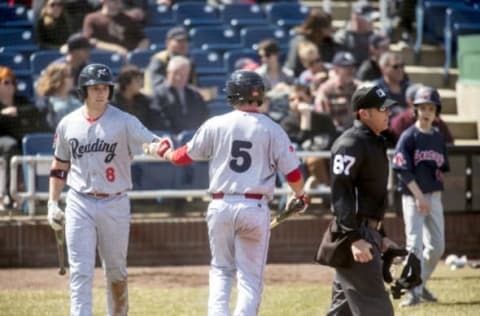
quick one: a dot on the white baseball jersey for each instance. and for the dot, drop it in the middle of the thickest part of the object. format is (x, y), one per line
(246, 150)
(98, 151)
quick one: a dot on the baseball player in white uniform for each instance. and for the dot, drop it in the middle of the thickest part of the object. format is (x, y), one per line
(94, 145)
(246, 149)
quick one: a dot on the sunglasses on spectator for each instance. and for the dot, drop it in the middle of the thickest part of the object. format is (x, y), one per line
(7, 82)
(398, 66)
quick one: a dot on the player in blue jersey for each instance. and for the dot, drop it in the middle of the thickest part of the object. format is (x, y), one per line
(420, 159)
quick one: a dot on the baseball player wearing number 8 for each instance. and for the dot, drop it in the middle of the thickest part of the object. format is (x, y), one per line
(359, 191)
(246, 149)
(95, 145)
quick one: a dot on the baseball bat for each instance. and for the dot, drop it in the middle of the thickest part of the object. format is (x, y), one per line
(60, 239)
(295, 207)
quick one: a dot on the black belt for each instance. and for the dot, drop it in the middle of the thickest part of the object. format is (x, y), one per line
(254, 196)
(99, 195)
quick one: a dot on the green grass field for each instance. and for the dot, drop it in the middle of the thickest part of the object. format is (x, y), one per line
(458, 292)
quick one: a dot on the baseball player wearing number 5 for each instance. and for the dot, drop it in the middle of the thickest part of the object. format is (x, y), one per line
(246, 149)
(94, 145)
(359, 193)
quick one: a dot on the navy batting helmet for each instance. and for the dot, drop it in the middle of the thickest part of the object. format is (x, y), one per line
(427, 95)
(94, 74)
(245, 86)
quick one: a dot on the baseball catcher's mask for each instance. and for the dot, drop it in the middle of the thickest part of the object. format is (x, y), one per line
(410, 276)
(94, 74)
(245, 86)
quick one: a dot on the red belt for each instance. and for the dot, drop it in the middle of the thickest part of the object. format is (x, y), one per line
(103, 195)
(253, 196)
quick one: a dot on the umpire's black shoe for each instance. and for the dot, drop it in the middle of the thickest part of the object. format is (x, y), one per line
(427, 296)
(411, 299)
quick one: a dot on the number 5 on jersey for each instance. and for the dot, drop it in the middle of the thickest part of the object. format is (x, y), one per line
(343, 164)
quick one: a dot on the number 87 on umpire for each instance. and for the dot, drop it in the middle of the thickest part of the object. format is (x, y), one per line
(246, 149)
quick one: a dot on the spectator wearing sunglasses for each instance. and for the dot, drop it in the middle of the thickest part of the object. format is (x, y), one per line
(394, 80)
(53, 26)
(369, 70)
(270, 70)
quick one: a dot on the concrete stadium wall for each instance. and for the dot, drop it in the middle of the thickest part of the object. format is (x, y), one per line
(184, 241)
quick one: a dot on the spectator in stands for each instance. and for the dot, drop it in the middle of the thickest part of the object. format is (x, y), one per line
(311, 131)
(54, 89)
(315, 72)
(17, 117)
(77, 49)
(355, 36)
(407, 118)
(127, 95)
(111, 29)
(53, 26)
(407, 17)
(75, 9)
(270, 70)
(370, 70)
(394, 80)
(177, 106)
(136, 9)
(334, 95)
(317, 28)
(177, 44)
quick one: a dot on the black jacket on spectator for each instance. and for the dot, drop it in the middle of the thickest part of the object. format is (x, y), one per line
(139, 107)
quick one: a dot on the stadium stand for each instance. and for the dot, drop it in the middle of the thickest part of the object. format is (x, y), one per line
(140, 58)
(15, 61)
(192, 14)
(232, 56)
(217, 38)
(207, 62)
(286, 14)
(195, 175)
(159, 15)
(114, 61)
(218, 107)
(240, 15)
(252, 35)
(41, 59)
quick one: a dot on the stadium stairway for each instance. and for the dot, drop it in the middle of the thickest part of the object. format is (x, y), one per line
(428, 70)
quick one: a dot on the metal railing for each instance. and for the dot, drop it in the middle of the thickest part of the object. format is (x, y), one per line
(30, 164)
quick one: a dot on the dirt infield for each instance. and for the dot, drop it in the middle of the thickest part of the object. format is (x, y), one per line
(164, 277)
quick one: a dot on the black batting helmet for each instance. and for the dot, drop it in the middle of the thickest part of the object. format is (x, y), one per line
(94, 74)
(427, 94)
(245, 86)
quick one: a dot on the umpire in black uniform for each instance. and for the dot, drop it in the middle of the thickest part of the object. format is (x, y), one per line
(359, 169)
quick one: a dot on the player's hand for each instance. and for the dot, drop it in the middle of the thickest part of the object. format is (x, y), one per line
(55, 216)
(361, 250)
(298, 202)
(388, 243)
(158, 149)
(422, 205)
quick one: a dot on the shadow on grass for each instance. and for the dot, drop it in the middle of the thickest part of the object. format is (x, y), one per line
(466, 303)
(455, 277)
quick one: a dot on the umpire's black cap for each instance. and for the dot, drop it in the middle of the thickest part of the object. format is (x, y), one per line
(371, 97)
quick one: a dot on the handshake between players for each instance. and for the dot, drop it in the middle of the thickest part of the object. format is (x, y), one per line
(159, 149)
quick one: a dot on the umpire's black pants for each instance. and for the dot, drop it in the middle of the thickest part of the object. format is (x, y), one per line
(359, 290)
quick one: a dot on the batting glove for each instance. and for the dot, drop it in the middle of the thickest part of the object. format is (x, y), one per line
(55, 216)
(299, 202)
(159, 149)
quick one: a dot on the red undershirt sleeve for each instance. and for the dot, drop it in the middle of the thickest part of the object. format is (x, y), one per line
(180, 156)
(294, 175)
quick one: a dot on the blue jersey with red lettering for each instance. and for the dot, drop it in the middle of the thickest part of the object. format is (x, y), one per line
(421, 156)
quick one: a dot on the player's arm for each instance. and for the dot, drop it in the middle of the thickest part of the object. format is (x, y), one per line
(58, 176)
(296, 183)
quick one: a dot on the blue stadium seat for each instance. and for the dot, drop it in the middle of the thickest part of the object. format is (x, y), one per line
(217, 81)
(458, 22)
(41, 59)
(239, 15)
(191, 14)
(154, 175)
(38, 144)
(112, 60)
(232, 56)
(159, 14)
(286, 14)
(216, 38)
(157, 35)
(17, 40)
(433, 28)
(218, 107)
(16, 61)
(252, 35)
(140, 58)
(195, 175)
(207, 62)
(15, 16)
(25, 86)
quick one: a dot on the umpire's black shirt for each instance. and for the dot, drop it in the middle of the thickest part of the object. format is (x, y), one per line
(359, 169)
